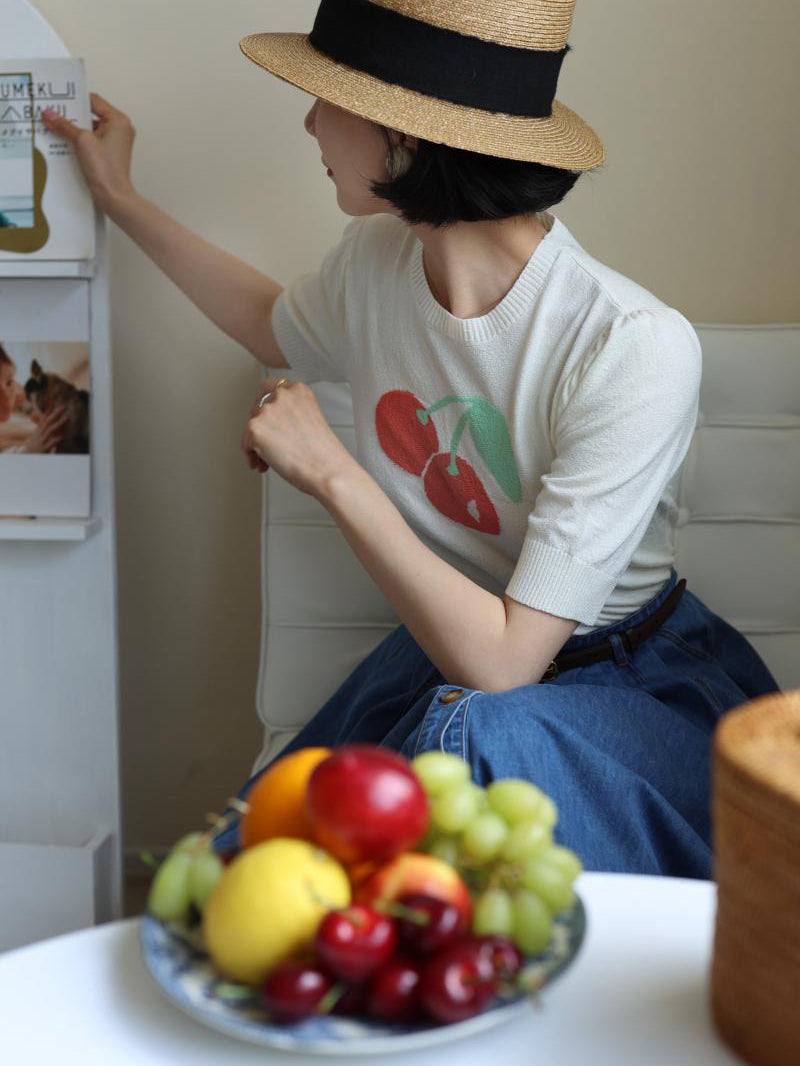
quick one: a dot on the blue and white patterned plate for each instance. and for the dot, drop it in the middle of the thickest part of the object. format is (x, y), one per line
(184, 972)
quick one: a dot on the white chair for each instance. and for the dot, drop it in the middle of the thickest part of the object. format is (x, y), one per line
(738, 543)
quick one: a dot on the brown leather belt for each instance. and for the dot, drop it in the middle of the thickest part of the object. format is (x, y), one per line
(630, 638)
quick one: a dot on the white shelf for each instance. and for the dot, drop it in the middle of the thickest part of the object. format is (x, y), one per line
(47, 528)
(46, 268)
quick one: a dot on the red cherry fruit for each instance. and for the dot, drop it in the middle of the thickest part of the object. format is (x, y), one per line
(402, 435)
(366, 803)
(461, 496)
(457, 983)
(352, 1001)
(438, 923)
(505, 956)
(354, 942)
(293, 991)
(393, 993)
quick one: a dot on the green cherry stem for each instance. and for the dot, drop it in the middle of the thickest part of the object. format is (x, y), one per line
(331, 998)
(459, 430)
(399, 910)
(425, 413)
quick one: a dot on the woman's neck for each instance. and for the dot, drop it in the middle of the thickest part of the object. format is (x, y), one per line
(471, 266)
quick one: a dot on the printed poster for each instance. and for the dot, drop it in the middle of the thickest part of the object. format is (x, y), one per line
(45, 399)
(46, 211)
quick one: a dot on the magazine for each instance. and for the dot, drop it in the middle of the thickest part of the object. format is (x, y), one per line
(46, 211)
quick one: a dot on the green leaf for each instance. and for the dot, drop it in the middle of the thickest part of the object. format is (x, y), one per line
(491, 436)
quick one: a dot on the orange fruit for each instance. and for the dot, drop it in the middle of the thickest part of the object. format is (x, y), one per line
(278, 799)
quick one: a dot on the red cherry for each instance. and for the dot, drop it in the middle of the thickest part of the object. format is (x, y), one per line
(457, 983)
(293, 991)
(442, 923)
(352, 1001)
(354, 942)
(366, 804)
(393, 992)
(505, 956)
(461, 496)
(402, 435)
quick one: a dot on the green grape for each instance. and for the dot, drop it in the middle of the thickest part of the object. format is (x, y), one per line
(548, 812)
(563, 859)
(525, 839)
(169, 898)
(205, 871)
(532, 924)
(493, 914)
(439, 771)
(548, 882)
(187, 843)
(454, 809)
(444, 848)
(514, 799)
(484, 836)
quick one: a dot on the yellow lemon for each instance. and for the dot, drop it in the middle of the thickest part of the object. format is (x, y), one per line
(267, 905)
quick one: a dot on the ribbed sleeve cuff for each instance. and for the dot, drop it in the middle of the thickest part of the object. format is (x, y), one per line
(306, 365)
(553, 581)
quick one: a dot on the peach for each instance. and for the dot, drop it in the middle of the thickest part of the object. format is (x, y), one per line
(413, 872)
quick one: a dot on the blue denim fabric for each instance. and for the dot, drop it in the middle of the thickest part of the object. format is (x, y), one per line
(622, 746)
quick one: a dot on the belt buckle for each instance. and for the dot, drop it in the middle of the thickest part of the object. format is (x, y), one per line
(551, 673)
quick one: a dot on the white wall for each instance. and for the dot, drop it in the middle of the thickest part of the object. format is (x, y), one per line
(699, 202)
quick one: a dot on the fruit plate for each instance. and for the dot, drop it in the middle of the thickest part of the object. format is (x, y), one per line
(185, 974)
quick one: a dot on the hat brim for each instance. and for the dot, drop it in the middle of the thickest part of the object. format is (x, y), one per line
(562, 140)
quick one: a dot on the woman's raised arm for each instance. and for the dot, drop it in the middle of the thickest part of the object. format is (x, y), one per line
(235, 296)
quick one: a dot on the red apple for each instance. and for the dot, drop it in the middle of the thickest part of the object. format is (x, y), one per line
(416, 873)
(366, 804)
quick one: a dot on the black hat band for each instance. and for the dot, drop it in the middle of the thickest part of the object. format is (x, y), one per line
(437, 62)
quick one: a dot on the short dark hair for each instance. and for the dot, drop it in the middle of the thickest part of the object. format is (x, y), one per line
(446, 185)
(6, 358)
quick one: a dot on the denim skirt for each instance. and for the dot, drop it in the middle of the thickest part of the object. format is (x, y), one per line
(622, 746)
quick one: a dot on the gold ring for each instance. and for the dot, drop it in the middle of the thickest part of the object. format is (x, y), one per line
(266, 396)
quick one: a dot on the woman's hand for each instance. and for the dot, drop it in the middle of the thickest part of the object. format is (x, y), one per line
(104, 152)
(48, 433)
(290, 434)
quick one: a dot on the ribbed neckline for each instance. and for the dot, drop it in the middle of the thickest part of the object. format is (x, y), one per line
(516, 300)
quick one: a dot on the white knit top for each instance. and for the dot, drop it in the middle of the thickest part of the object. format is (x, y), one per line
(535, 448)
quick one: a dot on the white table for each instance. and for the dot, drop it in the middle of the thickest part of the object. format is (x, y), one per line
(637, 995)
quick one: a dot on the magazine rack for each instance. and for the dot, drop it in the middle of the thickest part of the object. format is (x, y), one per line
(60, 866)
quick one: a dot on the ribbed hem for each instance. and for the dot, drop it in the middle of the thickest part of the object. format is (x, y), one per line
(514, 303)
(553, 581)
(305, 366)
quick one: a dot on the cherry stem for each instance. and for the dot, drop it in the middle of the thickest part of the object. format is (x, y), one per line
(331, 998)
(457, 434)
(400, 910)
(446, 401)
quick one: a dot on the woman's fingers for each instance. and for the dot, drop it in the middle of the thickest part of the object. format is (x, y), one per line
(101, 107)
(56, 123)
(256, 462)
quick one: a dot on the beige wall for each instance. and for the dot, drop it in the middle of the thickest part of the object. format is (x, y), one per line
(699, 202)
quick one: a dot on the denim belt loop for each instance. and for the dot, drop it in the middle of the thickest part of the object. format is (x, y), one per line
(620, 648)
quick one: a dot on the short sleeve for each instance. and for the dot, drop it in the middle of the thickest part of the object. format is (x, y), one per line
(621, 425)
(309, 318)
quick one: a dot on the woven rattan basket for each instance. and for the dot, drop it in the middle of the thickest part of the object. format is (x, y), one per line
(755, 974)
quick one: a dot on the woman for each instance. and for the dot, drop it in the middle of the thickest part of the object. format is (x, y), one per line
(521, 414)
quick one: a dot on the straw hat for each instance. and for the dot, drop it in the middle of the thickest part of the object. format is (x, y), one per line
(476, 74)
